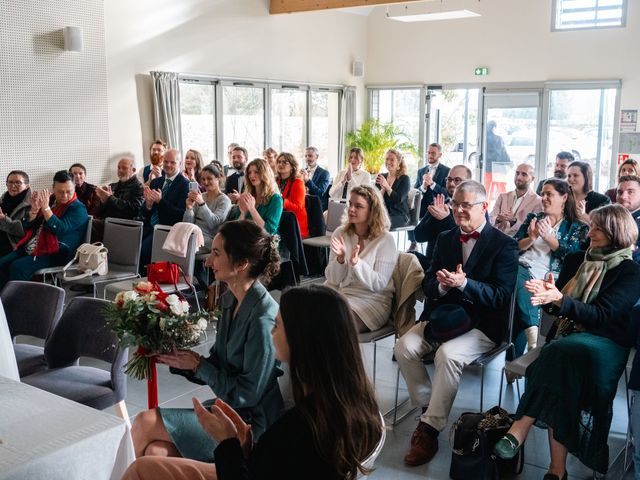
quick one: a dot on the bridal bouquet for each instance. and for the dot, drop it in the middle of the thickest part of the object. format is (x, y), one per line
(155, 322)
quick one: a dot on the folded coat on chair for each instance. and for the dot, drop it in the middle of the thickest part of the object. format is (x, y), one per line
(407, 280)
(177, 242)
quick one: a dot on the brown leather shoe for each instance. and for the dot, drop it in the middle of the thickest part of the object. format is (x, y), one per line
(424, 445)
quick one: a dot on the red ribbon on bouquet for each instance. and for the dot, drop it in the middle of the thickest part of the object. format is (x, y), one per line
(152, 382)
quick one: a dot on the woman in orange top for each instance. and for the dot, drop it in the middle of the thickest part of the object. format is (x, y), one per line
(292, 189)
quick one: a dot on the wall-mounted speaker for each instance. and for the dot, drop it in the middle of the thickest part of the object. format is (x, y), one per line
(73, 39)
(357, 69)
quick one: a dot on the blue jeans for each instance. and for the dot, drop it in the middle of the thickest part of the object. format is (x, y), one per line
(526, 315)
(635, 428)
(17, 265)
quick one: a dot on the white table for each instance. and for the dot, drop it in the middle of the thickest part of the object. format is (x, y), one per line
(8, 366)
(43, 436)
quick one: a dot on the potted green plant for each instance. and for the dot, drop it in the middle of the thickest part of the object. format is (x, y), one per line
(375, 138)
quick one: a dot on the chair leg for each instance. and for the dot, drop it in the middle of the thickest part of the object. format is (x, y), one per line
(195, 294)
(502, 376)
(375, 354)
(121, 411)
(395, 406)
(481, 386)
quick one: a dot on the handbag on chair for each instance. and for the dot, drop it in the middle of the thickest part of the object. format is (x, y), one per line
(167, 273)
(91, 259)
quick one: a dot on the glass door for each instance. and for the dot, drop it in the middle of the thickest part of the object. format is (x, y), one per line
(510, 137)
(453, 124)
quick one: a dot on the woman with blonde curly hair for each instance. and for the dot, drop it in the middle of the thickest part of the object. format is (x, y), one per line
(260, 201)
(395, 186)
(363, 256)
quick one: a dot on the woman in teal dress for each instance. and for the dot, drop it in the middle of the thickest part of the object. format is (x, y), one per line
(260, 201)
(241, 368)
(572, 385)
(544, 239)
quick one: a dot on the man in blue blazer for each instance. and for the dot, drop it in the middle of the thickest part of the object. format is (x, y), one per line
(235, 180)
(314, 176)
(164, 202)
(474, 268)
(431, 181)
(437, 216)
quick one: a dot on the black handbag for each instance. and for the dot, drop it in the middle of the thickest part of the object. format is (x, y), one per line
(474, 435)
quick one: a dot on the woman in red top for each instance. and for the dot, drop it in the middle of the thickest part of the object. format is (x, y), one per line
(292, 189)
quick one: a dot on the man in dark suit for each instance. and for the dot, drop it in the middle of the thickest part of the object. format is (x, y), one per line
(315, 178)
(431, 181)
(628, 195)
(563, 159)
(235, 181)
(164, 202)
(437, 215)
(474, 267)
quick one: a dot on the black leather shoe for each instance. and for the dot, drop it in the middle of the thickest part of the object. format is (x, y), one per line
(551, 476)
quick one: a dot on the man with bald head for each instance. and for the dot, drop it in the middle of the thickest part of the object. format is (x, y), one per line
(121, 199)
(164, 202)
(512, 208)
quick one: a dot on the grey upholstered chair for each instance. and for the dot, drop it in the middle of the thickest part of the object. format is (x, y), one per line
(160, 234)
(123, 239)
(31, 309)
(83, 332)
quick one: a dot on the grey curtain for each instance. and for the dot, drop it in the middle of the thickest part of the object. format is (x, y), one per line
(166, 108)
(348, 118)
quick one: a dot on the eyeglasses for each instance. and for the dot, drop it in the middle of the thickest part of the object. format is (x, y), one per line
(455, 180)
(466, 206)
(282, 162)
(14, 182)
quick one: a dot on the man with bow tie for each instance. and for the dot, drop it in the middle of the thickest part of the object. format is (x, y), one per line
(473, 273)
(235, 179)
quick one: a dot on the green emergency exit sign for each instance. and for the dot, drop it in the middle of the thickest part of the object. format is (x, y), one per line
(481, 71)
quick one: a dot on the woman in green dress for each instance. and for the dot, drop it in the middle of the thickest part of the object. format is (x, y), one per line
(572, 385)
(241, 368)
(260, 201)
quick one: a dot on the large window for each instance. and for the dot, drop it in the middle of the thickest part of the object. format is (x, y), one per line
(215, 113)
(289, 121)
(325, 128)
(576, 14)
(243, 117)
(198, 117)
(402, 108)
(581, 122)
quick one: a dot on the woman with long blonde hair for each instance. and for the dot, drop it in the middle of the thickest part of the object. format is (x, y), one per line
(363, 256)
(260, 201)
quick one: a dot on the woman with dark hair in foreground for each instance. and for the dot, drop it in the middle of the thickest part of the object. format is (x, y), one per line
(334, 431)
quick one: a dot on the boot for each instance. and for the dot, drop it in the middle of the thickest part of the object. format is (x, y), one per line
(532, 337)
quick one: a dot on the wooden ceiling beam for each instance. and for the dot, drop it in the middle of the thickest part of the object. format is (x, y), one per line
(291, 6)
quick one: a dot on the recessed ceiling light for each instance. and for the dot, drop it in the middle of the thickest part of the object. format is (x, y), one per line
(427, 17)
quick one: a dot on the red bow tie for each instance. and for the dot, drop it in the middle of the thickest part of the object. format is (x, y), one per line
(464, 237)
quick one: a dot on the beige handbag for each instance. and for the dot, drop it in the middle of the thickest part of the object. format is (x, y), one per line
(91, 259)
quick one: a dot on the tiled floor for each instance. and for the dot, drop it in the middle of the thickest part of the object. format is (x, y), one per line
(175, 391)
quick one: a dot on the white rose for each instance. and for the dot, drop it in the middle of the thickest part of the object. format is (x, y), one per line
(130, 295)
(176, 309)
(202, 324)
(172, 299)
(185, 306)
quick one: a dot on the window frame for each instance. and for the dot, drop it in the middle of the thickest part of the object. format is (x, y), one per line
(267, 86)
(556, 9)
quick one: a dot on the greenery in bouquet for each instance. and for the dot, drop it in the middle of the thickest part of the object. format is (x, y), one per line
(154, 322)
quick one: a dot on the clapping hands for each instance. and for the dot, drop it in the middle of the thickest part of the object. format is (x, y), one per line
(439, 210)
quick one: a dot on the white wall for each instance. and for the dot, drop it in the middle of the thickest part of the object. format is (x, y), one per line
(512, 38)
(224, 37)
(53, 103)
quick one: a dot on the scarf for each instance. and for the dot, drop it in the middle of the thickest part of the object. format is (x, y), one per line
(47, 243)
(585, 284)
(10, 203)
(285, 187)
